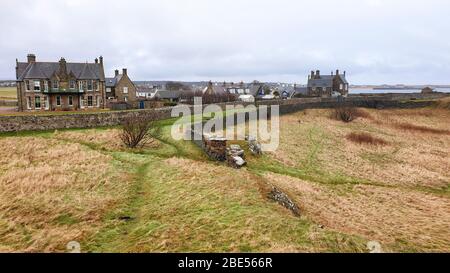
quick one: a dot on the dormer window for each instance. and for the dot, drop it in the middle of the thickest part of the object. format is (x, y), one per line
(72, 84)
(37, 86)
(55, 84)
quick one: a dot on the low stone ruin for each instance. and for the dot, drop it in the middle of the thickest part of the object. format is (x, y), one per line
(235, 156)
(284, 200)
(254, 146)
(215, 147)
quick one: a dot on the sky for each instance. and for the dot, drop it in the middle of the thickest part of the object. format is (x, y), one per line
(374, 41)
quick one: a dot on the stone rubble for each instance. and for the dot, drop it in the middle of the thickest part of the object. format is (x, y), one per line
(235, 156)
(254, 146)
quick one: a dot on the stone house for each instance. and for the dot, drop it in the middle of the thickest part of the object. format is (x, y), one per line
(60, 86)
(327, 85)
(120, 88)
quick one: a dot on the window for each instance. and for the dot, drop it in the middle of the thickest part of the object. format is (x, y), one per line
(27, 85)
(95, 85)
(37, 102)
(341, 86)
(46, 102)
(89, 85)
(108, 90)
(72, 84)
(46, 85)
(37, 86)
(90, 103)
(58, 100)
(29, 102)
(55, 84)
(125, 98)
(125, 90)
(81, 85)
(70, 101)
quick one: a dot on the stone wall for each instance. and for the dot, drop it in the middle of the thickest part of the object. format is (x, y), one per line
(50, 121)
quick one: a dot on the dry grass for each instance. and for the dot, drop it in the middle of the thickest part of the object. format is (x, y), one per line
(401, 220)
(365, 138)
(411, 160)
(51, 193)
(422, 129)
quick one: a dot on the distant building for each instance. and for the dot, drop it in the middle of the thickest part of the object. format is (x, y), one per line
(120, 88)
(169, 95)
(53, 86)
(327, 85)
(427, 90)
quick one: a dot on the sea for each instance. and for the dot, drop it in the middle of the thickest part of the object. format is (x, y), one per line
(384, 91)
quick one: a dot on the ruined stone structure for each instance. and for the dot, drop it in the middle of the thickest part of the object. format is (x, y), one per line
(59, 86)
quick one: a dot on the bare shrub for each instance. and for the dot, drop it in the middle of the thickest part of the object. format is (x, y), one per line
(349, 113)
(365, 138)
(344, 113)
(138, 131)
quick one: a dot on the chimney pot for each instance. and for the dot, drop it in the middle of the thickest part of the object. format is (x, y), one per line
(101, 59)
(318, 73)
(312, 74)
(124, 71)
(31, 58)
(116, 72)
(337, 72)
(96, 60)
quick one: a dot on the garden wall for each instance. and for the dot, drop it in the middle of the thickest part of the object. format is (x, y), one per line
(53, 121)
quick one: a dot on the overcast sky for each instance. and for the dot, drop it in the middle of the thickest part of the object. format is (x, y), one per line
(375, 41)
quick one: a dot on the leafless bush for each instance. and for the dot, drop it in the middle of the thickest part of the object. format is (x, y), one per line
(137, 131)
(345, 113)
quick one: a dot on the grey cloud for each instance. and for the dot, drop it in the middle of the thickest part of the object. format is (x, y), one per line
(376, 41)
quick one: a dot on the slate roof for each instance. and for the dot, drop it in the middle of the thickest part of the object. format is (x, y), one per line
(45, 70)
(111, 82)
(325, 81)
(167, 94)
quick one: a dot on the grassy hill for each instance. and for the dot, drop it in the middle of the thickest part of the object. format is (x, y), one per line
(84, 185)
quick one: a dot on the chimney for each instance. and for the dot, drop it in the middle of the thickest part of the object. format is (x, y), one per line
(31, 58)
(337, 72)
(62, 65)
(318, 74)
(116, 73)
(312, 75)
(331, 73)
(96, 60)
(124, 71)
(101, 59)
(344, 73)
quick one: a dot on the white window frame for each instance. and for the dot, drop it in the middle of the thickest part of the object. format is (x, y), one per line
(92, 85)
(38, 86)
(92, 101)
(125, 89)
(46, 103)
(80, 84)
(46, 85)
(36, 99)
(74, 84)
(108, 90)
(53, 84)
(29, 103)
(125, 98)
(27, 86)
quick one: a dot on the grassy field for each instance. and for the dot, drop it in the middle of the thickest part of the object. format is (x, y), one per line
(8, 93)
(84, 185)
